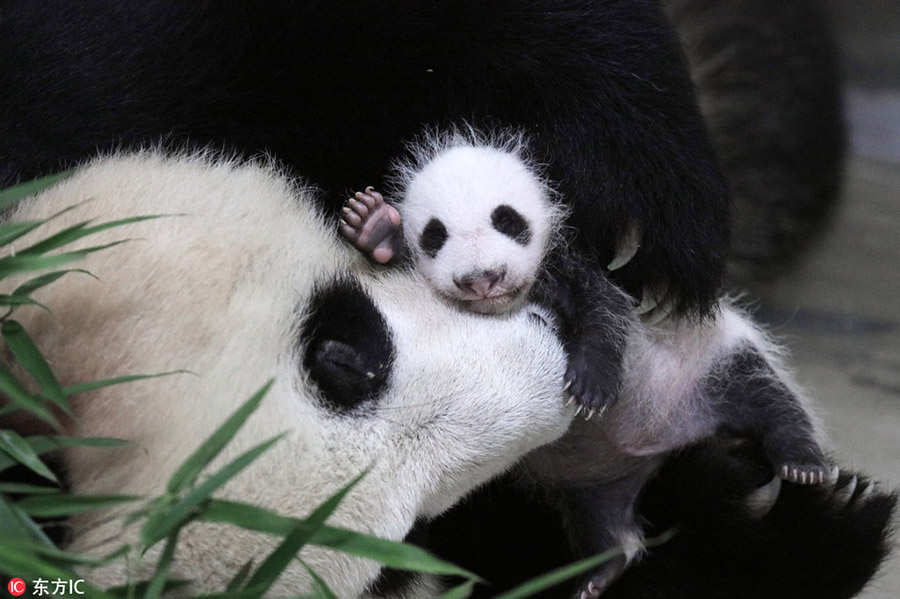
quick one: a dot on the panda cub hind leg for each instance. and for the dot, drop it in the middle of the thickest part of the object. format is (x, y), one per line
(754, 398)
(372, 226)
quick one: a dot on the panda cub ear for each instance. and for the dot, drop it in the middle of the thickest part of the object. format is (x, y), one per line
(348, 347)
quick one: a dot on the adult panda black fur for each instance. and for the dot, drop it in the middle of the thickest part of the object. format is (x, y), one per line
(334, 89)
(248, 283)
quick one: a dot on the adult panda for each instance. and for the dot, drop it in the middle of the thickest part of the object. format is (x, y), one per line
(364, 380)
(246, 283)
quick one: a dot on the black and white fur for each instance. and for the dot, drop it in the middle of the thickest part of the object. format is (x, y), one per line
(245, 284)
(681, 381)
(264, 289)
(483, 227)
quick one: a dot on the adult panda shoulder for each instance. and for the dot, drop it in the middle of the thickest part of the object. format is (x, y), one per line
(245, 283)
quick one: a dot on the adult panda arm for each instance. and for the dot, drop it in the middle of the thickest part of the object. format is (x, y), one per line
(333, 90)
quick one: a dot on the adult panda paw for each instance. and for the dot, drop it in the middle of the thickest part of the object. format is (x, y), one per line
(372, 226)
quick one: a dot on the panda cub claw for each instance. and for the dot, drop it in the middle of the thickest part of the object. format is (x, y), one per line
(372, 225)
(805, 473)
(593, 390)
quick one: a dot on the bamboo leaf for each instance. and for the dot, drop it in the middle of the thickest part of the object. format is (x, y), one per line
(29, 357)
(11, 265)
(16, 301)
(238, 580)
(11, 195)
(462, 591)
(16, 447)
(320, 586)
(158, 582)
(52, 506)
(564, 573)
(11, 487)
(272, 567)
(94, 385)
(41, 444)
(394, 554)
(161, 524)
(189, 471)
(79, 231)
(36, 283)
(20, 396)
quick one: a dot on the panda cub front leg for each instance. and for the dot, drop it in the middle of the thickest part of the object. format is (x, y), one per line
(372, 226)
(595, 317)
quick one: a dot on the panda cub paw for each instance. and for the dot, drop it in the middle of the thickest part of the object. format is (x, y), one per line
(593, 389)
(805, 473)
(372, 225)
(601, 578)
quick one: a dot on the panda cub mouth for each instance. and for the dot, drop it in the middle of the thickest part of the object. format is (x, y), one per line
(501, 302)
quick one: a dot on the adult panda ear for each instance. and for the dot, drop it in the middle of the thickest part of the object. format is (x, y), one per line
(348, 347)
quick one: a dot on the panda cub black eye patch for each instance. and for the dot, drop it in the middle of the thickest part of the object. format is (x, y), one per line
(508, 221)
(433, 237)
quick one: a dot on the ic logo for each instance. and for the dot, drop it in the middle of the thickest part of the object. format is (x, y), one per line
(16, 587)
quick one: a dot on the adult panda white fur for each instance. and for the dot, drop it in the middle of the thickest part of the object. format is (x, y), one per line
(247, 283)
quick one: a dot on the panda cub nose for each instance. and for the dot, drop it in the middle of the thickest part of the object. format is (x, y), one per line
(480, 283)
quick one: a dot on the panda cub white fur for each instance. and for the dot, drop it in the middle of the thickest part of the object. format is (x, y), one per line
(681, 381)
(246, 284)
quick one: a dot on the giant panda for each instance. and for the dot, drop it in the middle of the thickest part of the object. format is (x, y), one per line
(244, 282)
(364, 377)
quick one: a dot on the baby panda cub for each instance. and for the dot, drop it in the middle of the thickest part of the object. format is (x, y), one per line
(485, 231)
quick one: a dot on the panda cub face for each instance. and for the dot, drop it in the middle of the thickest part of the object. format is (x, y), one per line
(478, 222)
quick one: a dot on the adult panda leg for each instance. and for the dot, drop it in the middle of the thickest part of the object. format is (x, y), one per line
(802, 542)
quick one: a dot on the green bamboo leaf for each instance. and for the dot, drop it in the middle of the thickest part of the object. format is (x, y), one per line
(462, 591)
(10, 524)
(11, 265)
(272, 567)
(52, 506)
(11, 231)
(189, 471)
(238, 580)
(161, 524)
(34, 531)
(320, 586)
(394, 554)
(20, 396)
(161, 574)
(29, 287)
(11, 195)
(17, 301)
(17, 448)
(29, 357)
(41, 444)
(78, 231)
(10, 487)
(564, 573)
(17, 230)
(94, 385)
